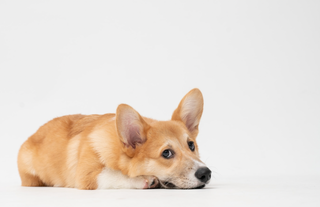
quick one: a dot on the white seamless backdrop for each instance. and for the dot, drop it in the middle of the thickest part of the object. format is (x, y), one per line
(256, 62)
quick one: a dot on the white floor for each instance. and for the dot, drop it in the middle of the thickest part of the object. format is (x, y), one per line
(242, 191)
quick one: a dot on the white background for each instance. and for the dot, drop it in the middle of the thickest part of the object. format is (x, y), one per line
(256, 62)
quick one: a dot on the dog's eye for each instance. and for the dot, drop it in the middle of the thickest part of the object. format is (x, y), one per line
(191, 146)
(167, 154)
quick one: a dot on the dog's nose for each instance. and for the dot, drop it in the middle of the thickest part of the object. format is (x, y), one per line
(203, 174)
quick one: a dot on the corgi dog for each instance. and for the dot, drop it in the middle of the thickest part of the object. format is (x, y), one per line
(121, 150)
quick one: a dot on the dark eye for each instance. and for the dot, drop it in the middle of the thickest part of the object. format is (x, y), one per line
(191, 146)
(167, 154)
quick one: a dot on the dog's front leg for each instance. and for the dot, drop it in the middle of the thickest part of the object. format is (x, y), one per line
(86, 176)
(109, 179)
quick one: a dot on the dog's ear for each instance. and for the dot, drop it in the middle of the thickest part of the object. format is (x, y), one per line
(130, 126)
(190, 110)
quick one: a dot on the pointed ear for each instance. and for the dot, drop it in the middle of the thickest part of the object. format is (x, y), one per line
(130, 126)
(190, 110)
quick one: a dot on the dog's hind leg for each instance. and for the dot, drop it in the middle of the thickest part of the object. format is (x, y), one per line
(27, 173)
(30, 180)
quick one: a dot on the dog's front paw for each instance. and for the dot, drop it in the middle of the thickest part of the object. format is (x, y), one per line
(151, 182)
(143, 182)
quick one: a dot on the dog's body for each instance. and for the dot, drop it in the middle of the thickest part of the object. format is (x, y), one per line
(122, 150)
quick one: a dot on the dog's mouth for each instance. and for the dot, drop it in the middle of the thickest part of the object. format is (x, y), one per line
(199, 187)
(156, 183)
(167, 185)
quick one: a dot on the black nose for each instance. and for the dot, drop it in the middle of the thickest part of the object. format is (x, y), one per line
(203, 174)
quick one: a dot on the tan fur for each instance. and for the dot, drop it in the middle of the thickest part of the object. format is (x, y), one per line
(71, 151)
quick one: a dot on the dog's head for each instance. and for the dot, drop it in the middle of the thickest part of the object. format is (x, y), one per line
(165, 149)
